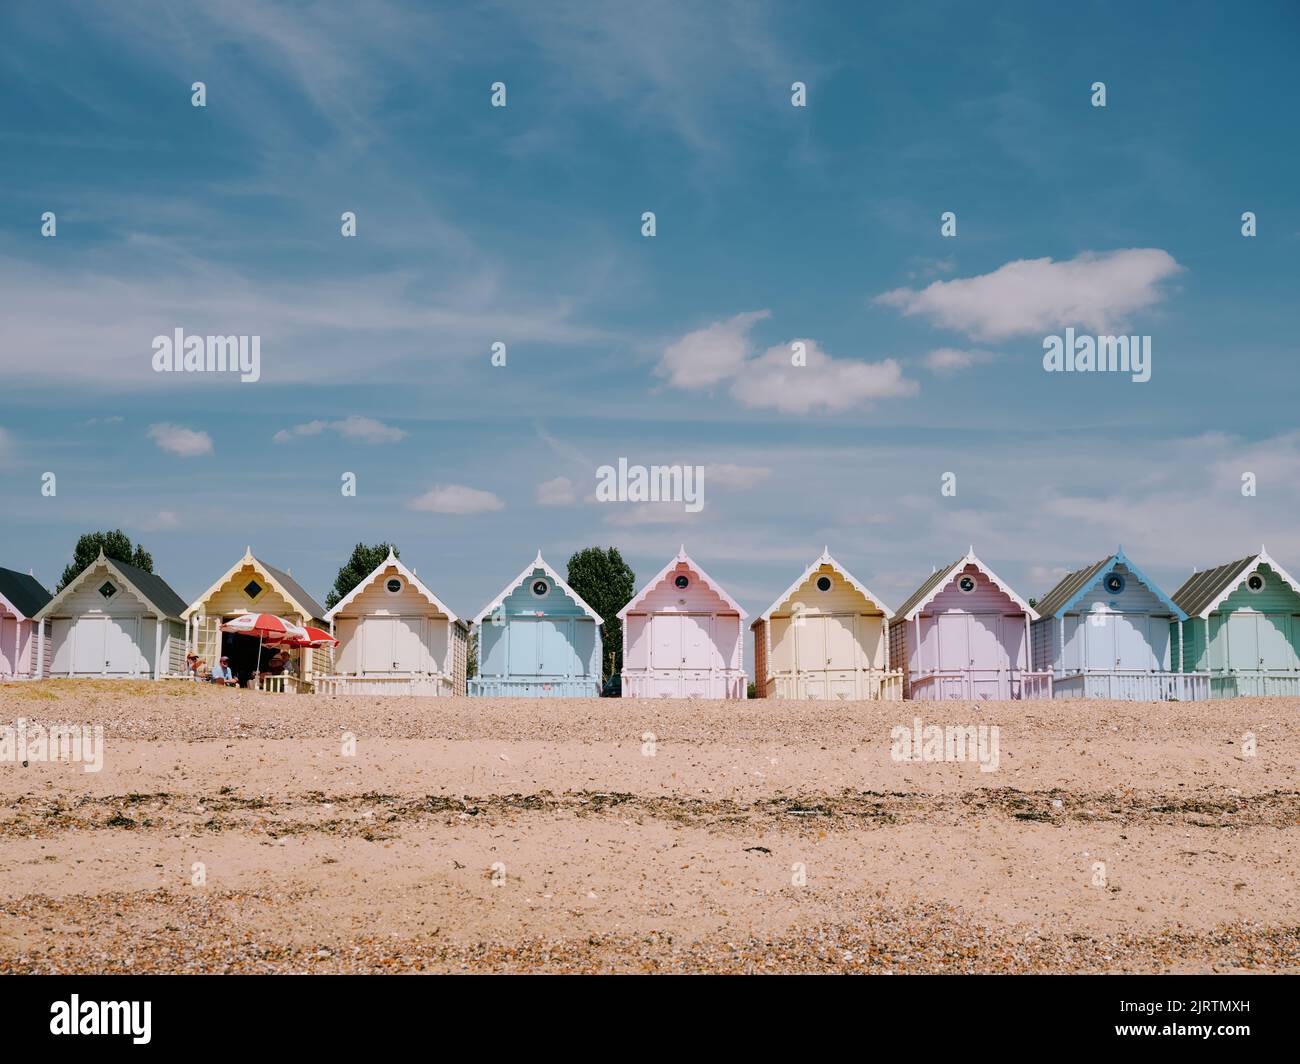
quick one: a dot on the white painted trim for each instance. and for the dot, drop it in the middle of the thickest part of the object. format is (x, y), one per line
(993, 577)
(537, 563)
(1262, 558)
(700, 574)
(411, 579)
(271, 581)
(147, 604)
(825, 559)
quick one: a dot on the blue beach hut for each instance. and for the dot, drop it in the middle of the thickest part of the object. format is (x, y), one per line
(537, 639)
(1105, 631)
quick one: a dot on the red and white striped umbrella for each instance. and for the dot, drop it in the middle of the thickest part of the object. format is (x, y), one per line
(315, 637)
(267, 627)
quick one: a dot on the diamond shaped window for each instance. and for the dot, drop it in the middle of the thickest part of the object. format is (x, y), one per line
(252, 589)
(107, 590)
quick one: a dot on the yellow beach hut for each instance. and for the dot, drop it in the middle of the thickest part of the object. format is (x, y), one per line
(252, 586)
(824, 637)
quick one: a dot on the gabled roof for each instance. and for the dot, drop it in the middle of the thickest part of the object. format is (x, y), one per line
(537, 563)
(1073, 586)
(708, 580)
(939, 579)
(155, 592)
(23, 592)
(1203, 592)
(285, 584)
(825, 559)
(392, 561)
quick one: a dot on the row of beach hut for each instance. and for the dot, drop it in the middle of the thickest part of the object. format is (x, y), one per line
(1104, 631)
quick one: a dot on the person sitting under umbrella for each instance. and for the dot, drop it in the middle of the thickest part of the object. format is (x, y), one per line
(221, 673)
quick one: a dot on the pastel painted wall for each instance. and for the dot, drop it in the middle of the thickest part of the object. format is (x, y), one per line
(382, 632)
(682, 642)
(17, 645)
(1104, 632)
(546, 635)
(834, 631)
(1250, 632)
(981, 635)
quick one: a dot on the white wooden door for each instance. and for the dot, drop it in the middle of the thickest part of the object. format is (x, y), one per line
(60, 646)
(88, 646)
(377, 644)
(1099, 642)
(122, 655)
(408, 644)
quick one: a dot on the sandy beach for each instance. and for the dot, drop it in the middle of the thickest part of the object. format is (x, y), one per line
(234, 832)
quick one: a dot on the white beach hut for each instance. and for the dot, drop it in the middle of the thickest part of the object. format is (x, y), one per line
(113, 620)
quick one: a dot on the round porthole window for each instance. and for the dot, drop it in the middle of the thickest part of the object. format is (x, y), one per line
(1114, 583)
(540, 588)
(965, 584)
(393, 586)
(682, 582)
(823, 583)
(1255, 582)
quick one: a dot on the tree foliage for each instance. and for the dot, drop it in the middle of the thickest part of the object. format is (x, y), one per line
(364, 561)
(116, 545)
(607, 583)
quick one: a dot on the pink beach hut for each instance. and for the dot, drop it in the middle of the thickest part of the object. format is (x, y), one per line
(965, 633)
(21, 597)
(682, 637)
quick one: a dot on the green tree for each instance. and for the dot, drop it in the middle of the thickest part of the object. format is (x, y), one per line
(116, 545)
(364, 561)
(607, 583)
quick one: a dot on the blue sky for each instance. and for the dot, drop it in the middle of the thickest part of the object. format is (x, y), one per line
(775, 224)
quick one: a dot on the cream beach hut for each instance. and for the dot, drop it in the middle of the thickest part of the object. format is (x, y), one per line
(964, 633)
(252, 586)
(824, 637)
(395, 637)
(682, 637)
(112, 620)
(537, 639)
(21, 597)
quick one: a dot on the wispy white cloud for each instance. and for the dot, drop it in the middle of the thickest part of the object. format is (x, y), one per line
(629, 515)
(559, 491)
(1095, 290)
(949, 360)
(456, 499)
(722, 352)
(162, 521)
(352, 427)
(178, 440)
(730, 475)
